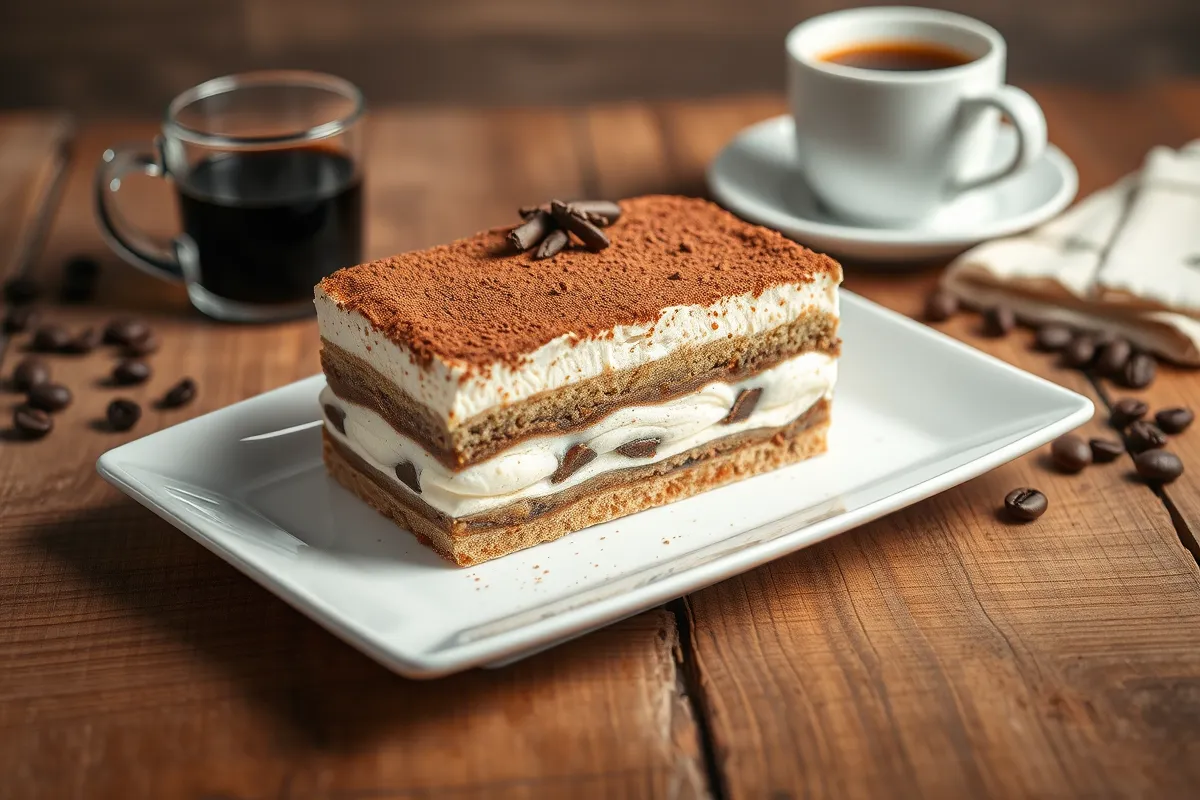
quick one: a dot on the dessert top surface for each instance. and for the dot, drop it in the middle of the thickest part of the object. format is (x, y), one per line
(477, 302)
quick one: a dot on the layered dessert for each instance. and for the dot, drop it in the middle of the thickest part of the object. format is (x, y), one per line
(488, 400)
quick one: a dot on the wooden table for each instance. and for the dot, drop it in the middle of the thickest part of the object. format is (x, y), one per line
(936, 652)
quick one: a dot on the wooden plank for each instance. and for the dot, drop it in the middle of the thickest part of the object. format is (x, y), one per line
(136, 664)
(940, 651)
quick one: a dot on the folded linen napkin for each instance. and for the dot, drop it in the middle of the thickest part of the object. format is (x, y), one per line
(1126, 259)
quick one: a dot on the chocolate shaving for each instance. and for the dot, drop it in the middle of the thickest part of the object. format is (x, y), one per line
(597, 212)
(640, 448)
(336, 417)
(592, 237)
(743, 406)
(533, 230)
(553, 244)
(576, 456)
(406, 472)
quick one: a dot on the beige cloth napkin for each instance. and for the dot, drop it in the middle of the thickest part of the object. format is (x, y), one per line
(1125, 259)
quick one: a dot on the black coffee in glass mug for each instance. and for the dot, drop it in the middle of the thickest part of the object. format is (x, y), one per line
(268, 171)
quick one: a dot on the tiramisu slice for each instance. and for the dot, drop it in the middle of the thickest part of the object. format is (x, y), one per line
(487, 400)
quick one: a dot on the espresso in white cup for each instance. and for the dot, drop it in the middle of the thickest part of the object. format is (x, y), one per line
(886, 138)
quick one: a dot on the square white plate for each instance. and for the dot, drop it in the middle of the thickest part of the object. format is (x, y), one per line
(915, 413)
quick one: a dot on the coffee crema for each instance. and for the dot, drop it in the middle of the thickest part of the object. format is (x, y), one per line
(897, 56)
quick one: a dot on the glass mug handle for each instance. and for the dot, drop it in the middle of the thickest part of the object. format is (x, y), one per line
(134, 246)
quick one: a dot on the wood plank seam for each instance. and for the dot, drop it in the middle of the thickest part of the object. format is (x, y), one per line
(690, 676)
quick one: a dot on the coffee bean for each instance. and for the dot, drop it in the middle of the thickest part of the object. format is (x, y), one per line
(1053, 337)
(32, 423)
(1144, 435)
(1174, 420)
(123, 414)
(1105, 450)
(1158, 466)
(743, 406)
(84, 342)
(124, 331)
(1127, 410)
(940, 306)
(50, 338)
(1113, 357)
(130, 371)
(49, 396)
(142, 346)
(180, 394)
(19, 291)
(1025, 504)
(1070, 454)
(19, 319)
(29, 373)
(576, 456)
(1103, 338)
(1138, 372)
(1080, 353)
(406, 473)
(79, 279)
(998, 321)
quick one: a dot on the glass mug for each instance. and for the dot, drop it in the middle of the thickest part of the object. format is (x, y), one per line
(268, 170)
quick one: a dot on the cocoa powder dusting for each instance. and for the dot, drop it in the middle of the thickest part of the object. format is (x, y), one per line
(456, 302)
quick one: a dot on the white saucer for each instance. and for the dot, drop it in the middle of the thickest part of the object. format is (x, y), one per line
(757, 176)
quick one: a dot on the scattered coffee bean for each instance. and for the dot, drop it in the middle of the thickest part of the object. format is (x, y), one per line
(50, 338)
(123, 414)
(743, 406)
(1025, 504)
(940, 306)
(1105, 450)
(130, 371)
(1174, 420)
(1158, 466)
(84, 342)
(1070, 453)
(336, 417)
(1053, 337)
(19, 319)
(406, 473)
(19, 291)
(1103, 338)
(29, 373)
(1138, 372)
(640, 448)
(1113, 357)
(124, 331)
(1127, 410)
(180, 394)
(1080, 353)
(79, 279)
(49, 396)
(576, 456)
(1144, 435)
(144, 346)
(998, 321)
(32, 423)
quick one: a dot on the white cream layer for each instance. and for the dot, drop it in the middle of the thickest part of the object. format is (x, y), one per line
(523, 470)
(457, 394)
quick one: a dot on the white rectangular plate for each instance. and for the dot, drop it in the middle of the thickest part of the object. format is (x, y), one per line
(915, 413)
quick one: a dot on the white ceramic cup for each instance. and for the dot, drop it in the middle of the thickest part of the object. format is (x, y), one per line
(888, 148)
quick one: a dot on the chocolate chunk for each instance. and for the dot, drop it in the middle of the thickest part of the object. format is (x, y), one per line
(83, 342)
(576, 456)
(743, 406)
(1070, 454)
(32, 423)
(940, 306)
(122, 414)
(29, 373)
(406, 472)
(19, 319)
(124, 331)
(180, 394)
(597, 212)
(50, 338)
(533, 230)
(1138, 372)
(130, 371)
(142, 346)
(998, 321)
(1158, 466)
(1025, 504)
(640, 448)
(1080, 353)
(21, 290)
(1174, 420)
(592, 237)
(1127, 410)
(1144, 435)
(49, 396)
(336, 417)
(1105, 450)
(1053, 337)
(1113, 357)
(553, 244)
